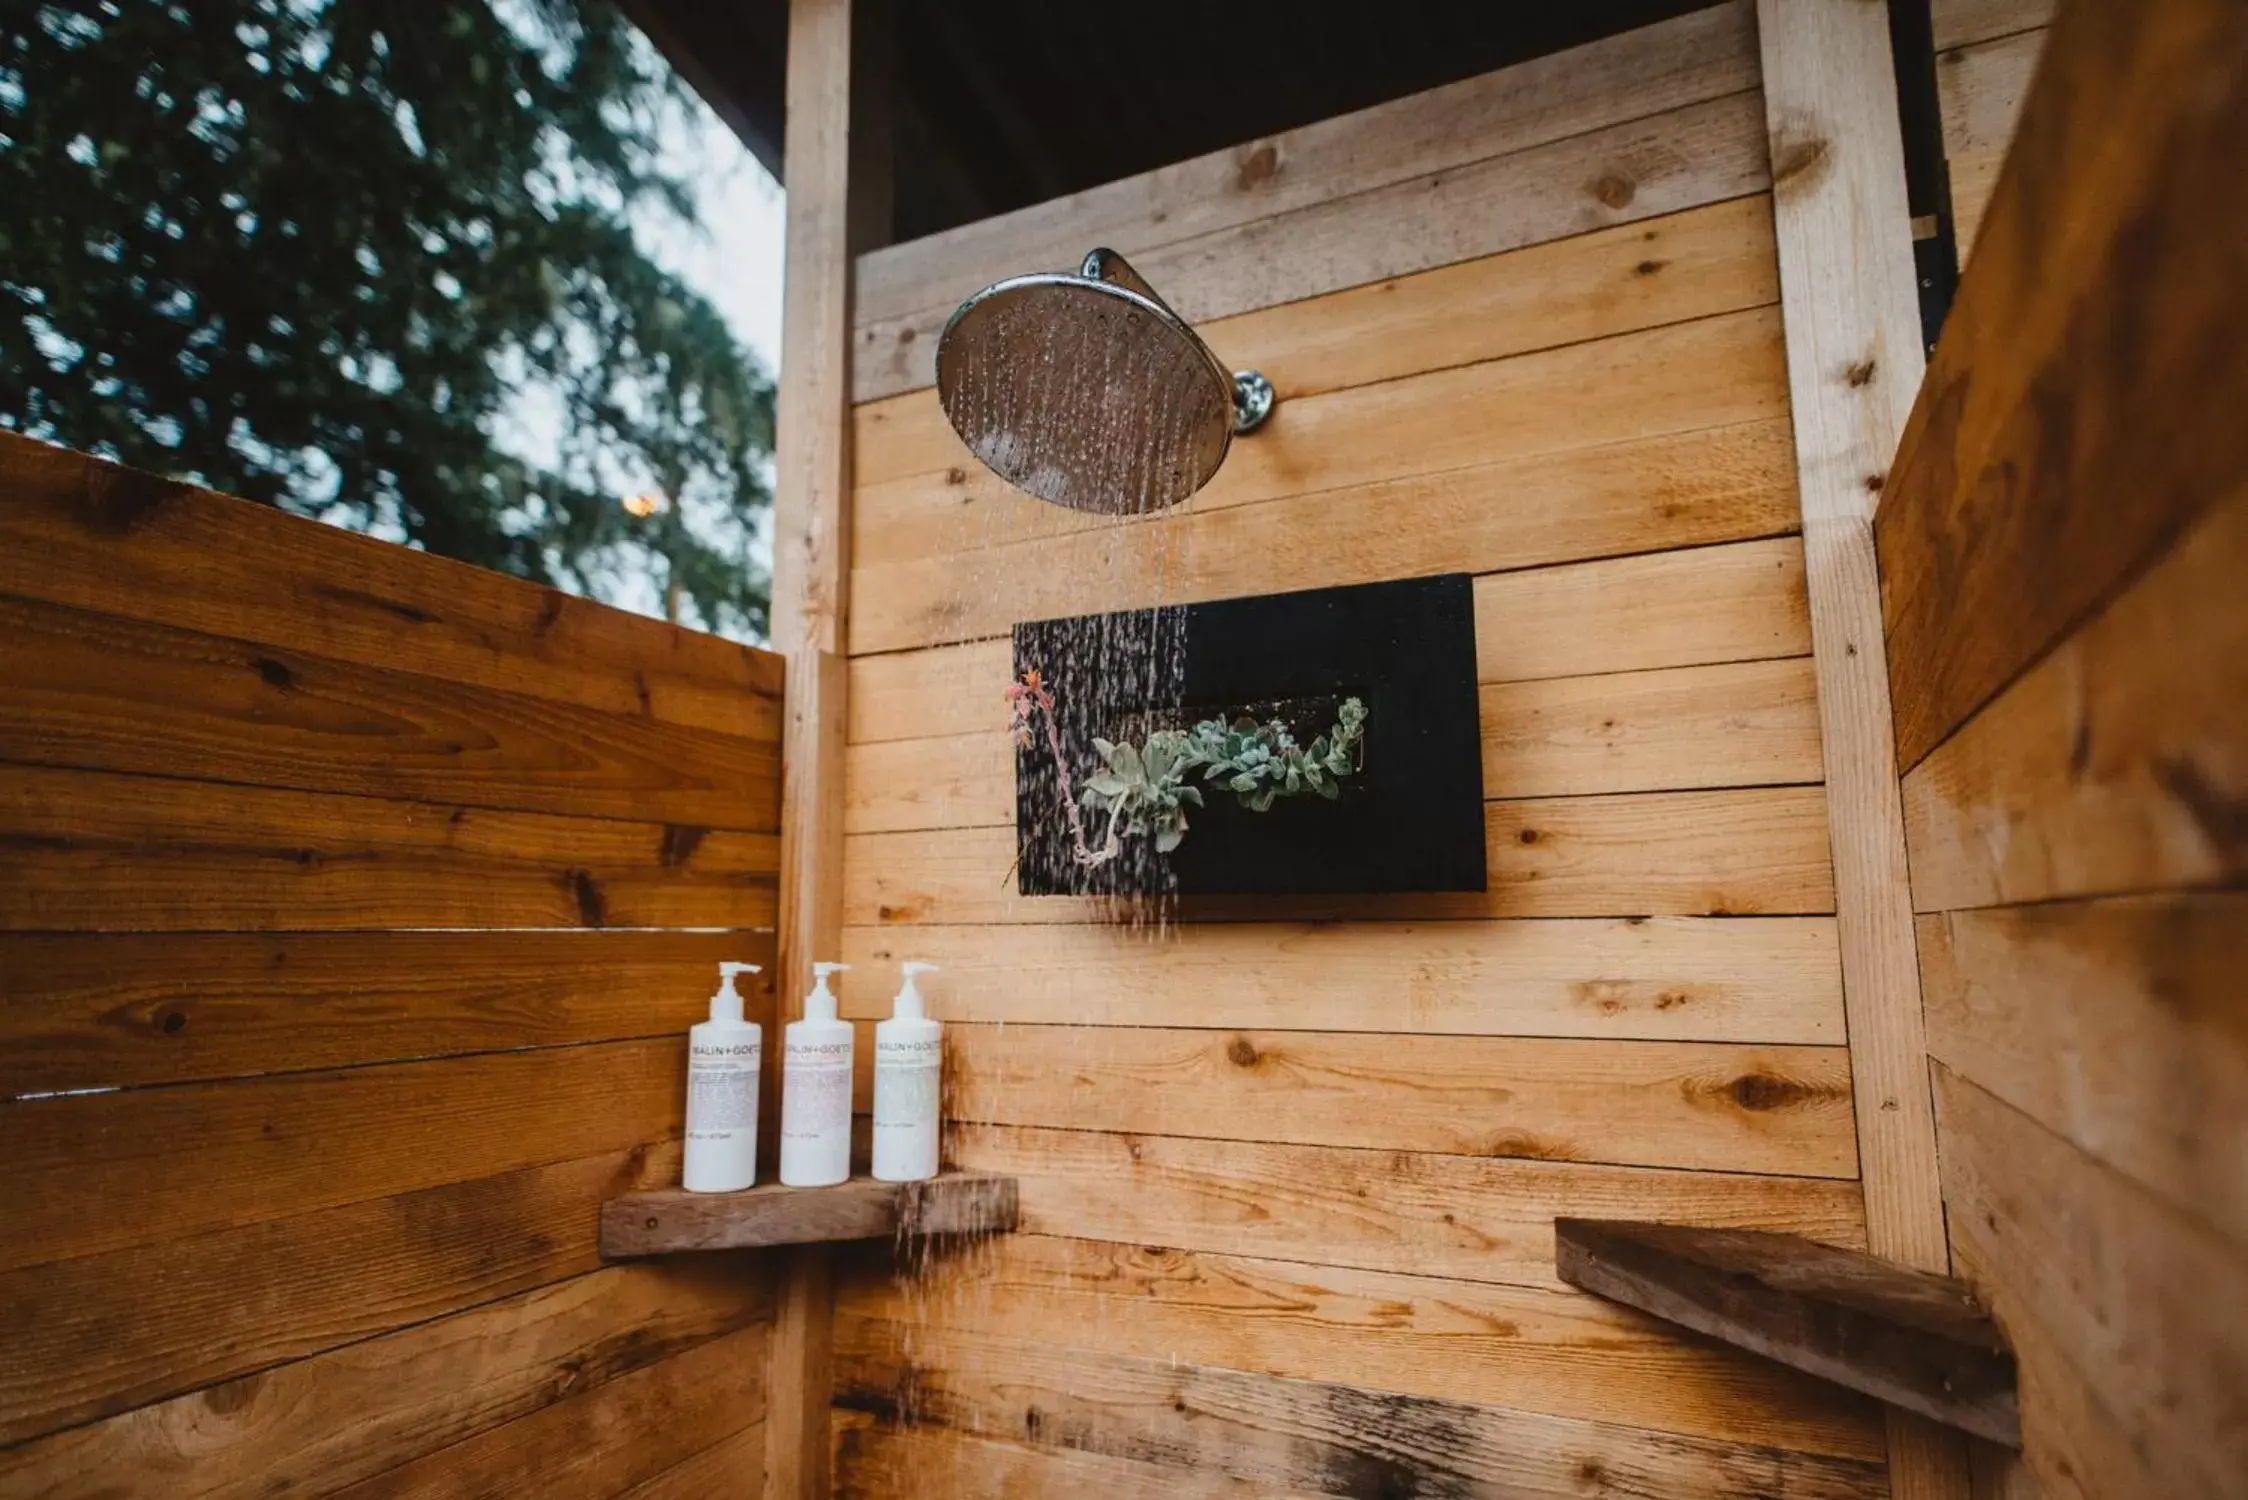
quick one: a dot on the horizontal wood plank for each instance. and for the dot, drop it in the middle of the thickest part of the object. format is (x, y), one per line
(1706, 55)
(1736, 724)
(1730, 725)
(86, 1011)
(1905, 1337)
(1623, 174)
(1736, 602)
(616, 1436)
(1712, 1106)
(1659, 854)
(199, 1157)
(877, 1462)
(2114, 764)
(1665, 979)
(91, 851)
(1224, 1429)
(1409, 1212)
(1707, 487)
(358, 1411)
(102, 692)
(207, 562)
(2131, 1321)
(1559, 1353)
(2117, 1025)
(2110, 312)
(665, 1221)
(1713, 372)
(733, 1465)
(91, 1337)
(1686, 607)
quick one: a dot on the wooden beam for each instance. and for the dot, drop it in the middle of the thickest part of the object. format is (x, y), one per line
(671, 1219)
(1898, 1335)
(1854, 357)
(811, 583)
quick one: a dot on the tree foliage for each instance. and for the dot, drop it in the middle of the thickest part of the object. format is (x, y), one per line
(310, 251)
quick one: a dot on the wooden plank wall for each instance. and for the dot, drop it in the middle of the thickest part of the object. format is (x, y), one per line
(352, 905)
(1986, 55)
(1289, 1169)
(2062, 553)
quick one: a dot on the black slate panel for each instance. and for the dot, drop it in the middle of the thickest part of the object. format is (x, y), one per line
(1411, 820)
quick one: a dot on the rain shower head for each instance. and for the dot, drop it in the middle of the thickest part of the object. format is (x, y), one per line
(1086, 390)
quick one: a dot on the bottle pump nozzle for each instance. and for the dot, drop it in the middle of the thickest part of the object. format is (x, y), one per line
(820, 1004)
(725, 1002)
(909, 994)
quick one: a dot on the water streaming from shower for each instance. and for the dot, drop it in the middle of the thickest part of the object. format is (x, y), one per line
(1121, 430)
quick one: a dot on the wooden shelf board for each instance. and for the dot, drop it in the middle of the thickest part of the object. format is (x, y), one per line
(672, 1219)
(1903, 1336)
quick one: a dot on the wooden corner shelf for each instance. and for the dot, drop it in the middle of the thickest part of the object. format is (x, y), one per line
(1902, 1336)
(670, 1220)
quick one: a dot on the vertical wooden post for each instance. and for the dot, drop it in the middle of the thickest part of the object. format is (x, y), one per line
(811, 589)
(1854, 365)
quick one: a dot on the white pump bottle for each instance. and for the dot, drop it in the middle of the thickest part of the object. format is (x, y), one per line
(908, 1062)
(724, 1054)
(816, 1091)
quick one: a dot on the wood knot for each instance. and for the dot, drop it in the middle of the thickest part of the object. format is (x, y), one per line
(1763, 1091)
(274, 674)
(173, 1022)
(1648, 267)
(1241, 1052)
(1859, 373)
(1260, 165)
(1800, 164)
(1615, 189)
(1528, 835)
(956, 476)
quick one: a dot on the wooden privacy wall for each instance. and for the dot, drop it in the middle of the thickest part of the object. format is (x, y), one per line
(1289, 1171)
(1986, 54)
(2063, 550)
(352, 905)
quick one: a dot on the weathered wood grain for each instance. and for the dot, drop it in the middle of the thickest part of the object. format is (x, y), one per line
(627, 1431)
(2102, 308)
(2121, 1308)
(1902, 1336)
(1980, 89)
(1694, 58)
(103, 692)
(2115, 763)
(1559, 1353)
(1742, 601)
(2118, 1025)
(91, 1337)
(1662, 979)
(1409, 1212)
(874, 1461)
(666, 1221)
(1728, 725)
(1733, 724)
(1665, 1104)
(1642, 169)
(1658, 854)
(1712, 486)
(1960, 23)
(199, 1157)
(363, 1409)
(86, 1011)
(1688, 377)
(206, 562)
(88, 851)
(733, 1465)
(1213, 1426)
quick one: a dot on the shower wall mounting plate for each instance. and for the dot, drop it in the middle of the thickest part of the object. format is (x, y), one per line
(1410, 820)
